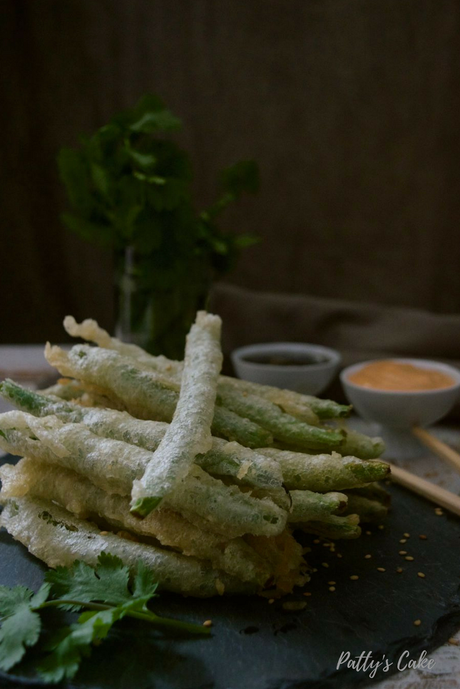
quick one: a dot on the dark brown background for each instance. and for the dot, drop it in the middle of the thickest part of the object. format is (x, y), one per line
(351, 108)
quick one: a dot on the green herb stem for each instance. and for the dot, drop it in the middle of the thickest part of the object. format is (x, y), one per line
(145, 616)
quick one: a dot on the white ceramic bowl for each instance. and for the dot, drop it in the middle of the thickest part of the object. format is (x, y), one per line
(402, 409)
(309, 379)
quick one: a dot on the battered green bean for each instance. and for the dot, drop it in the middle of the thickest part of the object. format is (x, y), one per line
(145, 394)
(308, 506)
(77, 495)
(224, 459)
(59, 538)
(189, 433)
(113, 466)
(283, 426)
(324, 472)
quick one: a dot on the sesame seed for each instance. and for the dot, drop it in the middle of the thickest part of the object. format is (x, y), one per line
(316, 541)
(399, 569)
(207, 623)
(272, 600)
(325, 564)
(409, 558)
(331, 588)
(339, 555)
(381, 527)
(354, 577)
(406, 535)
(332, 583)
(417, 623)
(367, 557)
(402, 552)
(421, 575)
(439, 511)
(103, 533)
(423, 537)
(368, 533)
(307, 593)
(403, 540)
(381, 569)
(315, 569)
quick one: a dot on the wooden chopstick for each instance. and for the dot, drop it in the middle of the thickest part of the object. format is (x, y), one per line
(440, 496)
(444, 452)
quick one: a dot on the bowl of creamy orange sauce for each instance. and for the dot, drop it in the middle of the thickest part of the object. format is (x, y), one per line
(402, 392)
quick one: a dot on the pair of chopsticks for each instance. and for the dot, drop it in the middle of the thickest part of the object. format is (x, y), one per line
(440, 496)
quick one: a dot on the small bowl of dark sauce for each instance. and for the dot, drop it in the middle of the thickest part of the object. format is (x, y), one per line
(306, 368)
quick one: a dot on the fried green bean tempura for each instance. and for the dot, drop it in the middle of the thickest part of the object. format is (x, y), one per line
(223, 459)
(308, 506)
(189, 433)
(80, 497)
(145, 394)
(369, 510)
(322, 473)
(360, 445)
(113, 466)
(59, 538)
(303, 407)
(283, 426)
(335, 528)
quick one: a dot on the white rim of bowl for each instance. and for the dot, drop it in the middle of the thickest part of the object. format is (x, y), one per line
(334, 357)
(446, 368)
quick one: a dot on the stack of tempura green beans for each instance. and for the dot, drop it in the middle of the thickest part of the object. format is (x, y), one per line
(207, 478)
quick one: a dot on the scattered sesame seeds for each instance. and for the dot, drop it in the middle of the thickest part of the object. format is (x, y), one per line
(354, 577)
(402, 552)
(331, 588)
(423, 537)
(271, 601)
(324, 564)
(316, 541)
(368, 556)
(381, 527)
(307, 593)
(439, 511)
(207, 623)
(339, 555)
(399, 569)
(403, 540)
(368, 533)
(417, 623)
(409, 558)
(406, 535)
(332, 583)
(421, 575)
(381, 569)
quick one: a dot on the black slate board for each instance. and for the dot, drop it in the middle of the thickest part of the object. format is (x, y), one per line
(260, 646)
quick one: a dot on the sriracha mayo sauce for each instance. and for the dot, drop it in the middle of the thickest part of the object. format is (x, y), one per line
(402, 377)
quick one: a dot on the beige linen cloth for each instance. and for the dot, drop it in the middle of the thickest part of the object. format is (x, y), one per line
(358, 330)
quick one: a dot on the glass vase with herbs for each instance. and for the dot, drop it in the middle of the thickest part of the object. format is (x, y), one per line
(129, 187)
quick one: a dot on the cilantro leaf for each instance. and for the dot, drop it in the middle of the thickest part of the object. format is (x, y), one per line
(144, 584)
(20, 624)
(107, 594)
(73, 643)
(107, 582)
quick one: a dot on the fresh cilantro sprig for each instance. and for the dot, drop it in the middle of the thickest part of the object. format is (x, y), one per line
(130, 184)
(106, 593)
